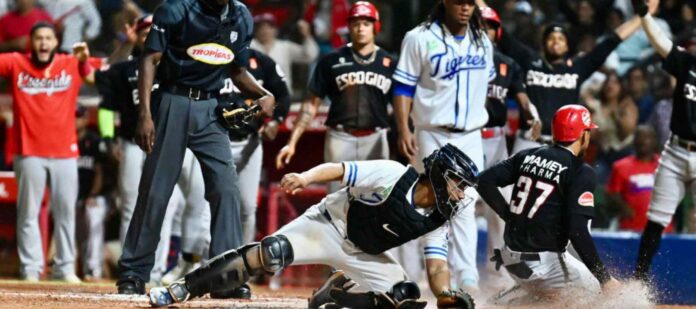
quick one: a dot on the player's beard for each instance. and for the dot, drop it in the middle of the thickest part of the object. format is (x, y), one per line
(38, 63)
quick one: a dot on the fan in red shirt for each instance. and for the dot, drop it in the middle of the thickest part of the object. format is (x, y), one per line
(632, 179)
(44, 89)
(16, 24)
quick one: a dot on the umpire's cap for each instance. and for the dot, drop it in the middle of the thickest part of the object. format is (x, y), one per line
(570, 121)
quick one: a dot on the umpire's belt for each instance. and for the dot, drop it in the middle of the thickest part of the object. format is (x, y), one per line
(684, 143)
(191, 93)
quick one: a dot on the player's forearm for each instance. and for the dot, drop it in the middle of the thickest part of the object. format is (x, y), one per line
(121, 53)
(488, 190)
(247, 83)
(97, 183)
(582, 242)
(402, 110)
(146, 78)
(629, 27)
(307, 112)
(438, 275)
(324, 173)
(658, 39)
(527, 107)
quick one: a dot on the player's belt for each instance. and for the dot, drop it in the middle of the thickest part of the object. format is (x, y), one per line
(492, 132)
(191, 93)
(686, 144)
(355, 132)
(451, 129)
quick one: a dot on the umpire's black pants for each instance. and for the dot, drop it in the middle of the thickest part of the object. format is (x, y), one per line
(181, 122)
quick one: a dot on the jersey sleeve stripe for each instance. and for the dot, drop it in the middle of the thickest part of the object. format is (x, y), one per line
(403, 80)
(435, 249)
(404, 77)
(349, 165)
(355, 174)
(435, 254)
(406, 74)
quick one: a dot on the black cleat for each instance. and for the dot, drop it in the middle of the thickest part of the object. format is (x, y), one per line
(131, 285)
(241, 292)
(321, 296)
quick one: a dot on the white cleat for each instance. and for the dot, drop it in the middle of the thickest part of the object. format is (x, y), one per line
(160, 297)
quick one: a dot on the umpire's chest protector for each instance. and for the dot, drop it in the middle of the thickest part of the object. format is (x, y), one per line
(378, 228)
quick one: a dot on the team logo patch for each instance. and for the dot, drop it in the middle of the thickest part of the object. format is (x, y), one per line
(233, 36)
(586, 199)
(386, 62)
(586, 118)
(211, 53)
(503, 69)
(253, 64)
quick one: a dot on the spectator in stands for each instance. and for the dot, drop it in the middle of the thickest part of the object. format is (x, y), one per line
(44, 95)
(617, 116)
(77, 20)
(16, 25)
(639, 91)
(91, 203)
(631, 182)
(660, 117)
(637, 48)
(284, 52)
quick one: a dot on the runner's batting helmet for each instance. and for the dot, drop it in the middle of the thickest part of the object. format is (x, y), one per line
(491, 17)
(367, 10)
(570, 121)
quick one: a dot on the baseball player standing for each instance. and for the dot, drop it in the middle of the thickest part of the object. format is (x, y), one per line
(509, 82)
(118, 87)
(247, 152)
(384, 205)
(675, 172)
(553, 79)
(194, 45)
(552, 205)
(44, 89)
(444, 69)
(357, 79)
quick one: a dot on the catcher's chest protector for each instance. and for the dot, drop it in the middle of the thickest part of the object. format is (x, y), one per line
(378, 228)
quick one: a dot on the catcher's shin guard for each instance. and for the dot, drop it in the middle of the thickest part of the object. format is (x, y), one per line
(233, 268)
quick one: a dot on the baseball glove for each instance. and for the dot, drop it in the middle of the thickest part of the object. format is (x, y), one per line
(237, 118)
(455, 299)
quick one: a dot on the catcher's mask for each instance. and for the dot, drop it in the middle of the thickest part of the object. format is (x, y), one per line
(450, 172)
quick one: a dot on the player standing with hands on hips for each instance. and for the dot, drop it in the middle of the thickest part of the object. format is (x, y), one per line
(194, 45)
(674, 174)
(357, 79)
(552, 204)
(444, 70)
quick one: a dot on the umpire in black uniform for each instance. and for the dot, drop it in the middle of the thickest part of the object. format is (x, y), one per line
(194, 45)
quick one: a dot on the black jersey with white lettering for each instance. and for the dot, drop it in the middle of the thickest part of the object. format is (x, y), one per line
(197, 44)
(92, 152)
(508, 81)
(359, 93)
(550, 185)
(269, 75)
(551, 86)
(682, 66)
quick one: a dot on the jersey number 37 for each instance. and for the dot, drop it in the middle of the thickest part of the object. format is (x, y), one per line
(524, 188)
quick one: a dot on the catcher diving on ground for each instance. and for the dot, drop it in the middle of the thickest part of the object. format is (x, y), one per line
(383, 205)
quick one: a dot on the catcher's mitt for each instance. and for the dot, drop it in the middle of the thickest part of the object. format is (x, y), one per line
(237, 118)
(455, 299)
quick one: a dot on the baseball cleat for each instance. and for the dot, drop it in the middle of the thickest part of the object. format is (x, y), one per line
(160, 297)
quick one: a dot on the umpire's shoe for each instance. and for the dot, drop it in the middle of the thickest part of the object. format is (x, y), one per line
(338, 280)
(241, 292)
(131, 285)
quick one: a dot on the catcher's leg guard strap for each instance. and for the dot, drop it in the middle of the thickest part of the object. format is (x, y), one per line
(276, 253)
(227, 270)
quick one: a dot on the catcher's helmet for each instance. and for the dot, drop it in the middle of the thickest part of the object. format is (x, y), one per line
(570, 121)
(449, 166)
(491, 17)
(367, 10)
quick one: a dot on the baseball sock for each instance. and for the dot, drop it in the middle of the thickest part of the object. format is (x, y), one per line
(649, 243)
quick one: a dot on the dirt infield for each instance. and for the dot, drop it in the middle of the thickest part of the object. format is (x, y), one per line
(15, 294)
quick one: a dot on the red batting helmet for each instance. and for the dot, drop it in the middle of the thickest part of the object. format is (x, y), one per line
(570, 121)
(367, 10)
(490, 16)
